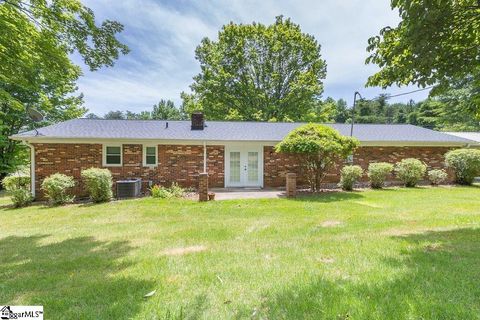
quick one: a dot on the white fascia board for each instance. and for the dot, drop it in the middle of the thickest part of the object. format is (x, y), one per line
(229, 142)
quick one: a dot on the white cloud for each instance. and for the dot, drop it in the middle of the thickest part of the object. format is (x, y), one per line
(163, 35)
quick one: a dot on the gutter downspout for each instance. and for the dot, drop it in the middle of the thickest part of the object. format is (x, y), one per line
(204, 157)
(32, 168)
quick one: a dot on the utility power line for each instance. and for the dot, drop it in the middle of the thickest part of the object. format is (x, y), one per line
(399, 94)
(410, 92)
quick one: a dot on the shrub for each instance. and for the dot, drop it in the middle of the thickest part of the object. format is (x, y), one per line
(175, 191)
(98, 183)
(318, 149)
(465, 163)
(160, 192)
(378, 173)
(16, 182)
(437, 176)
(349, 176)
(18, 188)
(21, 197)
(410, 171)
(55, 188)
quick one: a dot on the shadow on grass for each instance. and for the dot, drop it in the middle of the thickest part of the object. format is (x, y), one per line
(438, 278)
(39, 205)
(72, 279)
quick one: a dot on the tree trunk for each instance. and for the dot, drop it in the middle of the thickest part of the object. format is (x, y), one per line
(2, 175)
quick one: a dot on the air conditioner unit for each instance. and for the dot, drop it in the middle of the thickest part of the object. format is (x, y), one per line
(129, 188)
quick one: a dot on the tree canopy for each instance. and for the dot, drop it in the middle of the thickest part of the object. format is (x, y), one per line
(436, 42)
(319, 147)
(451, 110)
(36, 40)
(259, 72)
(163, 110)
(166, 110)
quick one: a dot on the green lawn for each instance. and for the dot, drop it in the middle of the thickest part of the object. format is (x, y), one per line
(391, 254)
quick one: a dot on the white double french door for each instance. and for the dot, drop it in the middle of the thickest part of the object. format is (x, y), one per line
(243, 166)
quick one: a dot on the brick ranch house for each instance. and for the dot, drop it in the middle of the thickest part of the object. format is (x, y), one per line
(234, 154)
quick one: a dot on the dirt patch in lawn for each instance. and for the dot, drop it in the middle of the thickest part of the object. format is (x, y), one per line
(184, 250)
(326, 260)
(434, 247)
(331, 223)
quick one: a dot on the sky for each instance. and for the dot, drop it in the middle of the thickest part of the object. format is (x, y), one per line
(163, 35)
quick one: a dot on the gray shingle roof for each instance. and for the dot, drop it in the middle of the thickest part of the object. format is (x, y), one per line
(475, 136)
(226, 131)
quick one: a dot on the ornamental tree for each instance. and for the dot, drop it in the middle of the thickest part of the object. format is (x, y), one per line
(318, 148)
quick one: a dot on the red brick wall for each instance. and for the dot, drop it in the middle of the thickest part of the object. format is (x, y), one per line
(180, 163)
(183, 163)
(277, 165)
(69, 159)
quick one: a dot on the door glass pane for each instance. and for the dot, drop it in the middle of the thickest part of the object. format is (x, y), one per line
(235, 166)
(252, 166)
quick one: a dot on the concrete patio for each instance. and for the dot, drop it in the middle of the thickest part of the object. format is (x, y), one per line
(246, 193)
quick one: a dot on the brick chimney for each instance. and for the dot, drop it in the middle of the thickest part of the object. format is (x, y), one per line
(198, 121)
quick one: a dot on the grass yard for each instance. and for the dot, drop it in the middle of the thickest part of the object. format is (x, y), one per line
(391, 254)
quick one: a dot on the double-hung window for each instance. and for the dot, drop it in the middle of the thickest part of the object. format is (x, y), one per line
(150, 156)
(112, 155)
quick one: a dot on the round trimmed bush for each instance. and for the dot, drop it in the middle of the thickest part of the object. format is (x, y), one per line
(18, 188)
(317, 149)
(410, 171)
(378, 173)
(437, 176)
(349, 176)
(16, 182)
(465, 163)
(98, 183)
(55, 188)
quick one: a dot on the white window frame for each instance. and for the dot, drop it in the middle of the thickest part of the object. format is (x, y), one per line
(145, 155)
(105, 164)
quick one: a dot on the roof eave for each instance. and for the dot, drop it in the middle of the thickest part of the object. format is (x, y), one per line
(379, 143)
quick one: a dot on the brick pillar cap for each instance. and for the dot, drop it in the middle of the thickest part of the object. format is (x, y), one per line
(291, 174)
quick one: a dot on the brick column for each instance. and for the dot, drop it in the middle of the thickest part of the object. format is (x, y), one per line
(291, 185)
(203, 187)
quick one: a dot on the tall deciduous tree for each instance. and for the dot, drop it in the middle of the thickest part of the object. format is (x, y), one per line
(342, 113)
(166, 110)
(436, 42)
(114, 115)
(258, 72)
(36, 39)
